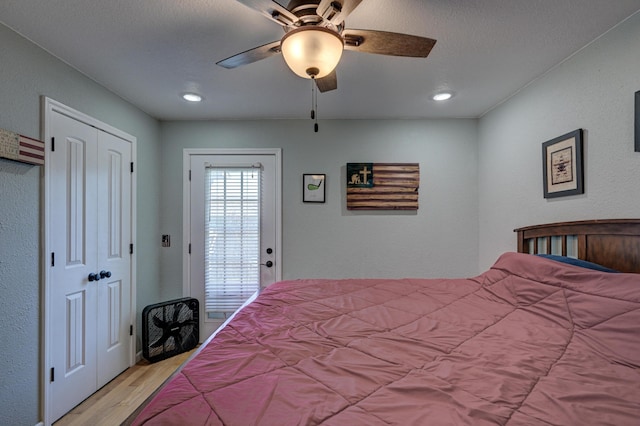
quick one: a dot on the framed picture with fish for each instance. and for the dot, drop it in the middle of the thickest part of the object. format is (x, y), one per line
(314, 188)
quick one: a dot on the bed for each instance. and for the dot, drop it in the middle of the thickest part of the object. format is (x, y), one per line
(533, 340)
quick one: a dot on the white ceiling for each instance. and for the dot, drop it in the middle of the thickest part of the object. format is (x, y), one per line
(150, 51)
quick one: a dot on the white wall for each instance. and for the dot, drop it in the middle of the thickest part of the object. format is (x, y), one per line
(27, 73)
(326, 240)
(593, 90)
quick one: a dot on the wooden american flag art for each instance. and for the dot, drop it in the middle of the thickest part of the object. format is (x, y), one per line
(14, 146)
(382, 186)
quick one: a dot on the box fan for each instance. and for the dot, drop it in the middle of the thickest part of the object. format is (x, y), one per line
(170, 328)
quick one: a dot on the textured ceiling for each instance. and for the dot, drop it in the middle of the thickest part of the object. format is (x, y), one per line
(151, 51)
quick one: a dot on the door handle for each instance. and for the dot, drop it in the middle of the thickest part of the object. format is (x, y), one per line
(97, 276)
(268, 263)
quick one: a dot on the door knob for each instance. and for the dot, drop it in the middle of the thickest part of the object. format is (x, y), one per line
(105, 274)
(268, 264)
(94, 277)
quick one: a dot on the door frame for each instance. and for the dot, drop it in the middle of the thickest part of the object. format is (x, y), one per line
(49, 106)
(186, 204)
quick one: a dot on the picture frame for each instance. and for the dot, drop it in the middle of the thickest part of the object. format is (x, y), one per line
(563, 165)
(637, 122)
(314, 187)
(382, 186)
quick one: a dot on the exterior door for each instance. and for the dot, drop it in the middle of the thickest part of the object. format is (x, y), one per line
(268, 263)
(89, 291)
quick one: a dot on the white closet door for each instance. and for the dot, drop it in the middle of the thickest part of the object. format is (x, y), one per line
(73, 298)
(89, 300)
(114, 236)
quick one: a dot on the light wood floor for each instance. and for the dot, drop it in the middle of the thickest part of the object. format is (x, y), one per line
(112, 404)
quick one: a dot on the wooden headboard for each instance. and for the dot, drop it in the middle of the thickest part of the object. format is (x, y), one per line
(614, 243)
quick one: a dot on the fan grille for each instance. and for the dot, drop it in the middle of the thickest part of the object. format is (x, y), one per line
(170, 328)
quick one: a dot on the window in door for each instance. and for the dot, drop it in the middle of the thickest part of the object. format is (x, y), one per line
(232, 238)
(232, 228)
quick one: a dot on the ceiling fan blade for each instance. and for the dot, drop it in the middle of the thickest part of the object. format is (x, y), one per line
(336, 11)
(272, 10)
(386, 43)
(251, 55)
(328, 82)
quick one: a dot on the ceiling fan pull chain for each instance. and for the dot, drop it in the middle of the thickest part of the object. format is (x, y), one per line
(314, 104)
(315, 100)
(313, 111)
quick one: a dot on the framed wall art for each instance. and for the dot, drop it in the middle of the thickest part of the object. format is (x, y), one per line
(562, 165)
(637, 122)
(383, 186)
(314, 188)
(16, 147)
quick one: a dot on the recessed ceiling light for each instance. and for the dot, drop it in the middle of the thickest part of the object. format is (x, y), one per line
(443, 96)
(192, 97)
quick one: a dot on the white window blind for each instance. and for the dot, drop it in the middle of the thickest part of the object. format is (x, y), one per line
(232, 240)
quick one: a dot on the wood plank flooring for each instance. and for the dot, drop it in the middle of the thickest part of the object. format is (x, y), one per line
(112, 404)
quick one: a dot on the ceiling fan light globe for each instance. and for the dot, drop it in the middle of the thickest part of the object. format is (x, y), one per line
(312, 47)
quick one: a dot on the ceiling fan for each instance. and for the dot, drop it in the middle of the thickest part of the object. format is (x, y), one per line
(315, 36)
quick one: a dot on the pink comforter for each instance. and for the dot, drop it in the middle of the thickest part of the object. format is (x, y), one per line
(531, 341)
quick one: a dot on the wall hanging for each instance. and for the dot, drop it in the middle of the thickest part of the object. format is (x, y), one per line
(562, 165)
(383, 186)
(313, 188)
(14, 146)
